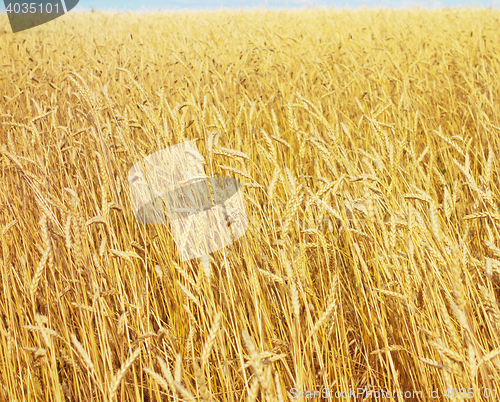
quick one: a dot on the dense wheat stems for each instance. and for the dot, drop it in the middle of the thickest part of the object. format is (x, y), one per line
(366, 145)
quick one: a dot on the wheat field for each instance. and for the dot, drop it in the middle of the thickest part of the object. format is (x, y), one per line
(366, 144)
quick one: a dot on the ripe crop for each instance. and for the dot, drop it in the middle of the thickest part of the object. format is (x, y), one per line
(366, 144)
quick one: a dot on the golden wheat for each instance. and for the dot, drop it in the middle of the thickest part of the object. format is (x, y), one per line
(368, 162)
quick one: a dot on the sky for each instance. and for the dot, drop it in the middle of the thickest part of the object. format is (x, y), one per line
(146, 5)
(203, 4)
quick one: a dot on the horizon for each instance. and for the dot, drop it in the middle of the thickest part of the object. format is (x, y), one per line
(203, 5)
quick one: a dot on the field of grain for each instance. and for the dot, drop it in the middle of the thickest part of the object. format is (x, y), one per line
(366, 142)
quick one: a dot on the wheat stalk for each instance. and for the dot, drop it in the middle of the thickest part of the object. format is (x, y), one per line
(210, 341)
(120, 374)
(331, 307)
(83, 354)
(39, 272)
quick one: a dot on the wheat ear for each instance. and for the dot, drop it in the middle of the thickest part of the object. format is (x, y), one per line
(120, 374)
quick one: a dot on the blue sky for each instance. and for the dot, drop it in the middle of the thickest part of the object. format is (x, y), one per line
(214, 4)
(194, 4)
